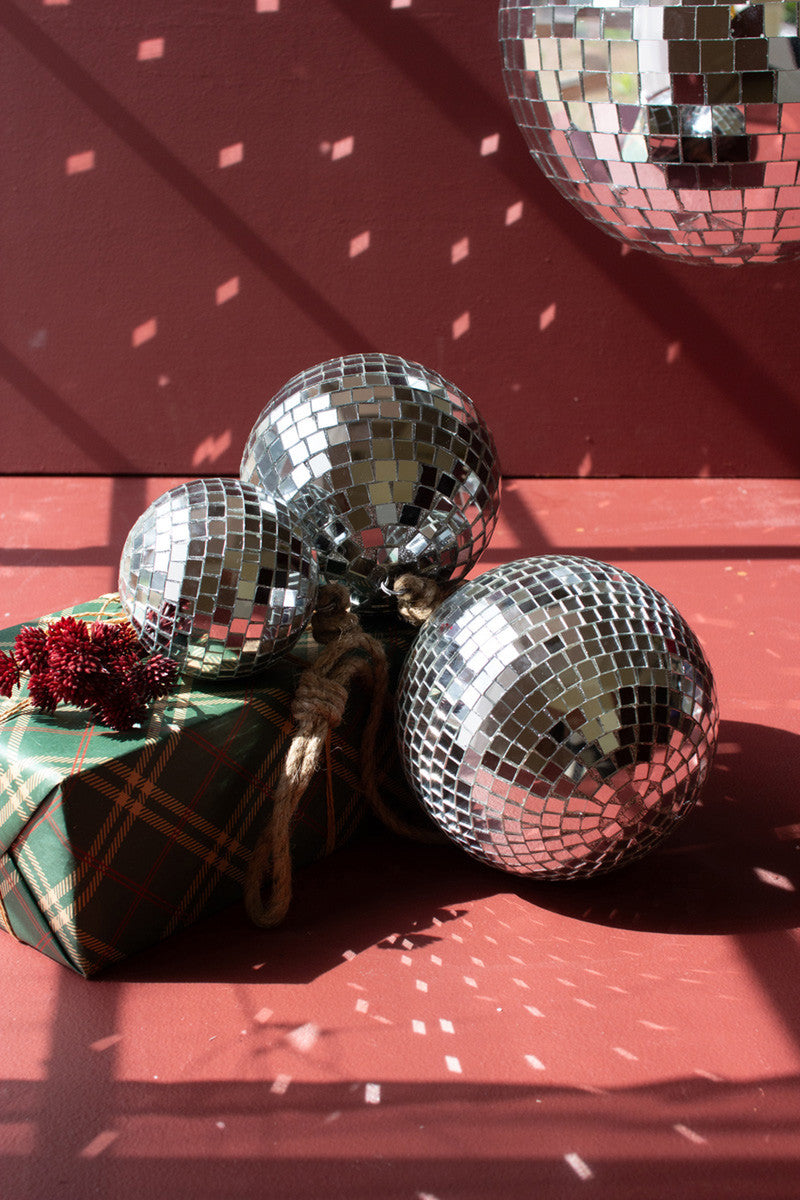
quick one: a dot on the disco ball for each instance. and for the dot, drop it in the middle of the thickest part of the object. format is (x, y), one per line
(218, 576)
(389, 468)
(556, 717)
(673, 126)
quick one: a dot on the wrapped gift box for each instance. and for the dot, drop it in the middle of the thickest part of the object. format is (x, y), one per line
(112, 841)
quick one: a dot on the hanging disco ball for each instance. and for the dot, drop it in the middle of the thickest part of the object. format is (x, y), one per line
(675, 127)
(218, 576)
(389, 468)
(557, 717)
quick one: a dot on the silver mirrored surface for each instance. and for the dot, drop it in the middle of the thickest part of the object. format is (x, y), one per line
(557, 717)
(218, 576)
(673, 126)
(388, 466)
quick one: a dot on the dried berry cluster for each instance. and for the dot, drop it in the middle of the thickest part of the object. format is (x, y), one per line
(100, 666)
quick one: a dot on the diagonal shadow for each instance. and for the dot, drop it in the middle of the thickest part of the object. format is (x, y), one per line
(194, 191)
(474, 111)
(53, 406)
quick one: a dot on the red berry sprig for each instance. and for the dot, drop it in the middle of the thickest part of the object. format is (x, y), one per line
(100, 667)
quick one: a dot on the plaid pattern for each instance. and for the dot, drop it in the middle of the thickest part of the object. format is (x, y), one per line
(109, 841)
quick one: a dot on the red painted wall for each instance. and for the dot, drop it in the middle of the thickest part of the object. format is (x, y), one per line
(203, 197)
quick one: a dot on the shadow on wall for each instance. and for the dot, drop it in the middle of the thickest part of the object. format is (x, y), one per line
(207, 202)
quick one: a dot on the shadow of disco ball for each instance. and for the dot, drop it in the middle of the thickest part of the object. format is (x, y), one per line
(556, 717)
(674, 127)
(388, 467)
(219, 577)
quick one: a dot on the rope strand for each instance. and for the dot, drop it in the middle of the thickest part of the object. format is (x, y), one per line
(417, 597)
(349, 654)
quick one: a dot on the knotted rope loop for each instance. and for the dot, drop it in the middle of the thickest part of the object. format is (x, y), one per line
(318, 698)
(332, 617)
(417, 597)
(349, 655)
(318, 707)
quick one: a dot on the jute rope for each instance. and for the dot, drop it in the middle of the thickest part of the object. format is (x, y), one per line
(417, 597)
(349, 654)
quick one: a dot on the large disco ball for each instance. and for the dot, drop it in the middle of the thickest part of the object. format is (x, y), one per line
(389, 467)
(557, 717)
(673, 126)
(218, 576)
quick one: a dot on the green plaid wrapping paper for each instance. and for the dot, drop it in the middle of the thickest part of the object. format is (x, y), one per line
(110, 842)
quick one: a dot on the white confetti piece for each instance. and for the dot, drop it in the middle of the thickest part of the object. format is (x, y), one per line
(305, 1037)
(535, 1012)
(372, 1093)
(534, 1062)
(280, 1085)
(773, 879)
(690, 1135)
(421, 985)
(362, 1005)
(106, 1043)
(581, 1169)
(418, 1027)
(445, 1025)
(262, 1016)
(98, 1145)
(452, 1064)
(625, 1053)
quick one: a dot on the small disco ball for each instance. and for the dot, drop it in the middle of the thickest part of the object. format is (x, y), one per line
(673, 126)
(388, 466)
(557, 717)
(218, 576)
